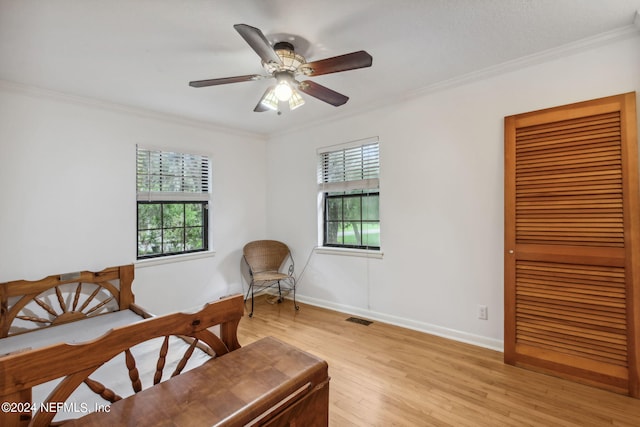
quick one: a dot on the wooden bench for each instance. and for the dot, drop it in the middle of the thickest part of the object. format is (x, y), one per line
(267, 382)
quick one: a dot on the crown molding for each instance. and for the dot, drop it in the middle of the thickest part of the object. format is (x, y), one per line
(568, 49)
(39, 92)
(629, 31)
(538, 58)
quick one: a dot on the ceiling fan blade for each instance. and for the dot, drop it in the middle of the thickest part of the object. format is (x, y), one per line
(258, 42)
(226, 80)
(349, 61)
(322, 93)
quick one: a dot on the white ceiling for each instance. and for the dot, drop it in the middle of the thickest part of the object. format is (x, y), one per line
(143, 53)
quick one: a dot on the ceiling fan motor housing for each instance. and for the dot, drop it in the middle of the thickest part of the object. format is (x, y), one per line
(283, 46)
(290, 60)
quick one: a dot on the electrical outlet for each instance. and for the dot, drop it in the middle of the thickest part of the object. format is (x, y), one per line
(483, 312)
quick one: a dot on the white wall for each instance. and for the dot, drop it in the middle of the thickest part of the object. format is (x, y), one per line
(67, 182)
(441, 194)
(67, 189)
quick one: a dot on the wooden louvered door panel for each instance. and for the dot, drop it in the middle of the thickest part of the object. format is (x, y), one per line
(571, 236)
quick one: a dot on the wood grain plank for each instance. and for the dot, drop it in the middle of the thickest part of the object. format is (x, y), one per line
(384, 375)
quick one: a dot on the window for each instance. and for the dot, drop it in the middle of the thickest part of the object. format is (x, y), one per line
(348, 177)
(173, 203)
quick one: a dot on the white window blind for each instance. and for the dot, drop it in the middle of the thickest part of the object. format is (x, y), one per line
(168, 175)
(347, 167)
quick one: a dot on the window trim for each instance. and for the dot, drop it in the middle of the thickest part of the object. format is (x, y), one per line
(361, 253)
(169, 259)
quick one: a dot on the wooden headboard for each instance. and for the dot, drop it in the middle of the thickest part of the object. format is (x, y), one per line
(63, 298)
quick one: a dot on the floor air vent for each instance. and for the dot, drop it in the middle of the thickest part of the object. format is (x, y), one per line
(359, 321)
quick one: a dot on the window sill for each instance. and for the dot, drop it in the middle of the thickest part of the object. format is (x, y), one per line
(364, 253)
(150, 262)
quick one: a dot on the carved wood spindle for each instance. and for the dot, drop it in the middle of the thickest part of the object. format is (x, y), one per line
(76, 297)
(46, 307)
(103, 303)
(185, 359)
(134, 375)
(33, 319)
(63, 306)
(161, 360)
(105, 393)
(90, 298)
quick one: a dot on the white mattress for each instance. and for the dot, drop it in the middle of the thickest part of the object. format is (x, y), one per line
(73, 332)
(113, 374)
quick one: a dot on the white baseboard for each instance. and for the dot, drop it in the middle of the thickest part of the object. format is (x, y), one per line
(478, 340)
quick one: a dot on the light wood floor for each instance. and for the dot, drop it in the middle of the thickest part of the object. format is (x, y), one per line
(382, 375)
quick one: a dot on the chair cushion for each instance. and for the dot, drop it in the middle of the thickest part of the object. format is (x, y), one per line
(269, 275)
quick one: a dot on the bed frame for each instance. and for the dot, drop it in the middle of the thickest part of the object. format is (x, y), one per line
(74, 363)
(265, 383)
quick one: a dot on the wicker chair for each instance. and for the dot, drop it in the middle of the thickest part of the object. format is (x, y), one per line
(265, 259)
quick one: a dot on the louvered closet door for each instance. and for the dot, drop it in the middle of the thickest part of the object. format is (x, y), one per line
(571, 236)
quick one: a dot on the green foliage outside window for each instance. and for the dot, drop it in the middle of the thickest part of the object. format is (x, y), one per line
(171, 227)
(352, 220)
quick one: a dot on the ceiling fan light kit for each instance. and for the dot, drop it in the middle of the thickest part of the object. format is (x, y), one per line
(283, 91)
(282, 63)
(269, 100)
(286, 83)
(295, 101)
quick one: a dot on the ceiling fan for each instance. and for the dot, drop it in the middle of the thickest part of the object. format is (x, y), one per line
(282, 63)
